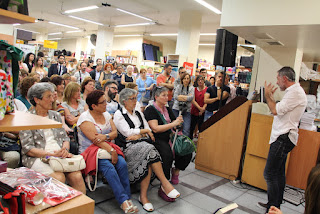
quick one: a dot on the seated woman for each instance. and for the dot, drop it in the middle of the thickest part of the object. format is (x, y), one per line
(142, 157)
(162, 131)
(73, 105)
(87, 86)
(40, 143)
(96, 126)
(24, 87)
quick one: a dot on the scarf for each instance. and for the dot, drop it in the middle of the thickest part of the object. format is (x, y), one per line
(164, 112)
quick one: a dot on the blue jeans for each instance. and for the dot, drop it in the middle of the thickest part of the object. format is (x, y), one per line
(274, 172)
(117, 177)
(186, 122)
(207, 115)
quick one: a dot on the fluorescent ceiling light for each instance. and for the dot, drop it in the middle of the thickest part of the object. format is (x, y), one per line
(63, 25)
(138, 24)
(49, 34)
(81, 9)
(208, 34)
(16, 24)
(207, 44)
(133, 14)
(130, 35)
(163, 34)
(86, 20)
(175, 34)
(55, 39)
(28, 30)
(209, 6)
(74, 31)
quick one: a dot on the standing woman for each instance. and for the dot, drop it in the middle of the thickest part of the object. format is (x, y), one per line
(72, 103)
(128, 77)
(38, 68)
(145, 86)
(198, 107)
(183, 96)
(89, 66)
(87, 86)
(29, 62)
(106, 74)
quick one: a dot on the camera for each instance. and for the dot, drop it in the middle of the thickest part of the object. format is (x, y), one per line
(183, 106)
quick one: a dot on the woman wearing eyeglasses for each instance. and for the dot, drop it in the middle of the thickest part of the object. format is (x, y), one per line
(142, 157)
(96, 127)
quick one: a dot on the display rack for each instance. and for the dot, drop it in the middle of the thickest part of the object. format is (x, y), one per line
(176, 60)
(126, 59)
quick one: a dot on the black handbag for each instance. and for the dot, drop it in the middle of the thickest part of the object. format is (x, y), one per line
(7, 144)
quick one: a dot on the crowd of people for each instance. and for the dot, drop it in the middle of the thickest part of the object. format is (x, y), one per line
(130, 115)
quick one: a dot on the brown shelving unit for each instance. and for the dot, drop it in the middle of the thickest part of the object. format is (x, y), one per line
(9, 17)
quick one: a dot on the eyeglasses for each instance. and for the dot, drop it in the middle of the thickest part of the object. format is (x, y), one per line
(114, 88)
(132, 98)
(103, 102)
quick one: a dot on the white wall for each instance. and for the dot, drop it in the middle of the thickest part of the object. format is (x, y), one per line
(207, 53)
(68, 44)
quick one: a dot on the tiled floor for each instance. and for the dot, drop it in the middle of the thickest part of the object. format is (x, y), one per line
(201, 192)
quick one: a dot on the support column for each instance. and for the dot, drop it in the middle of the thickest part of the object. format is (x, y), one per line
(80, 46)
(189, 35)
(104, 42)
(42, 36)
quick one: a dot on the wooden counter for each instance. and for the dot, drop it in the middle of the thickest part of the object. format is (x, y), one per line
(300, 160)
(9, 17)
(24, 121)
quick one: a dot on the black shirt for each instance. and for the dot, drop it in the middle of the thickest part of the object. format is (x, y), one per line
(212, 90)
(151, 114)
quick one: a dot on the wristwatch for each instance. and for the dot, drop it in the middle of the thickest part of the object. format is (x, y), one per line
(108, 136)
(112, 149)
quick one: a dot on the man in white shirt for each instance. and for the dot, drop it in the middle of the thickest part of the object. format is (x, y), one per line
(284, 134)
(111, 93)
(82, 74)
(233, 93)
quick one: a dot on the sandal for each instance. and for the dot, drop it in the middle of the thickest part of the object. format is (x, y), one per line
(129, 208)
(170, 197)
(134, 207)
(147, 206)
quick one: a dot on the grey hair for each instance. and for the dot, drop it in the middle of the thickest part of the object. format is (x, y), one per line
(288, 72)
(125, 94)
(157, 91)
(37, 91)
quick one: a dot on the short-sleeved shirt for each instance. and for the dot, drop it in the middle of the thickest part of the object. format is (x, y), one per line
(151, 114)
(163, 79)
(84, 142)
(75, 112)
(112, 107)
(212, 90)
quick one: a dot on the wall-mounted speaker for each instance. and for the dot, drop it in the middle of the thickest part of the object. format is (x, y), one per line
(225, 48)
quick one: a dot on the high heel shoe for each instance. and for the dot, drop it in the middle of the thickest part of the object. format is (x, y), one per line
(170, 197)
(147, 206)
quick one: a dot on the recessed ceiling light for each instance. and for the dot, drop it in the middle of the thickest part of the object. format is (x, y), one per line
(49, 34)
(207, 44)
(86, 20)
(63, 25)
(81, 9)
(209, 6)
(16, 24)
(54, 39)
(133, 14)
(138, 24)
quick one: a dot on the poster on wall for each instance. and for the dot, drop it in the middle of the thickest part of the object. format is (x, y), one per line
(26, 48)
(189, 67)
